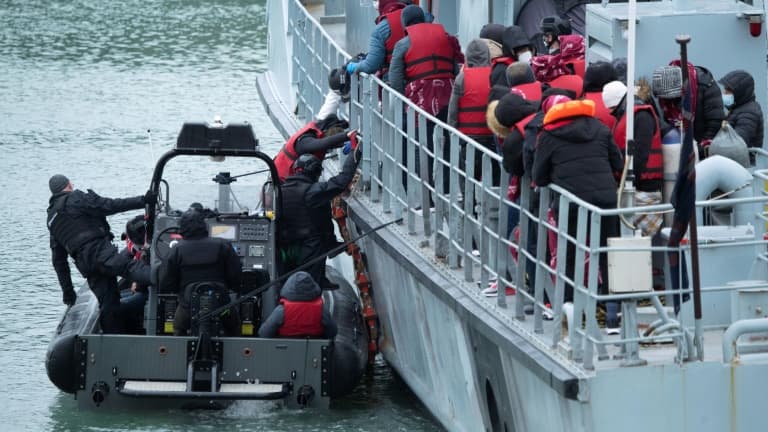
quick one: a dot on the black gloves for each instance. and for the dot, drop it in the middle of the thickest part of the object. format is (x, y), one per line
(69, 297)
(150, 197)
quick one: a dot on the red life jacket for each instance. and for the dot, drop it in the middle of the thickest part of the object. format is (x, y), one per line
(654, 168)
(287, 155)
(504, 60)
(530, 91)
(520, 126)
(302, 318)
(431, 53)
(396, 32)
(573, 83)
(474, 102)
(578, 66)
(601, 111)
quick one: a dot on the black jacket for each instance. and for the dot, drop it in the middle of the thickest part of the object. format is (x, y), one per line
(709, 106)
(86, 213)
(200, 260)
(745, 116)
(580, 157)
(307, 206)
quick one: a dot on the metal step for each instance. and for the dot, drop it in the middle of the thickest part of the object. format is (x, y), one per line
(178, 389)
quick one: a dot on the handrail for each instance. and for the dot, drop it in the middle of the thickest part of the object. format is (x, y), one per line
(739, 328)
(472, 213)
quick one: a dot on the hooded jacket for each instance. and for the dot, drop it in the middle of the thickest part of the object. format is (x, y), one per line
(301, 311)
(469, 97)
(579, 155)
(745, 116)
(513, 112)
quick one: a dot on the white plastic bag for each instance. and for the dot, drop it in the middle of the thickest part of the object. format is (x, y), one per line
(728, 143)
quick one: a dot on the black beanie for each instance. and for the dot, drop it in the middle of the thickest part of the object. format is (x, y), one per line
(411, 15)
(507, 112)
(494, 32)
(57, 183)
(597, 75)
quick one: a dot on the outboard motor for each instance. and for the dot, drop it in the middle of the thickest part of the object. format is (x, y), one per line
(205, 297)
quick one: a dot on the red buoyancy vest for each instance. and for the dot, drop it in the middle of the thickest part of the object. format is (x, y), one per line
(431, 53)
(520, 126)
(505, 60)
(474, 102)
(530, 91)
(287, 155)
(601, 111)
(654, 168)
(396, 32)
(302, 318)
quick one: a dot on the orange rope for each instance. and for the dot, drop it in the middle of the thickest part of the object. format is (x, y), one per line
(361, 278)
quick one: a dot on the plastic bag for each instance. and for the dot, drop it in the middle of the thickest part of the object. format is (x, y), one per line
(728, 143)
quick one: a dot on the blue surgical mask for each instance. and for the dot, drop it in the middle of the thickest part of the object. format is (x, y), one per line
(728, 99)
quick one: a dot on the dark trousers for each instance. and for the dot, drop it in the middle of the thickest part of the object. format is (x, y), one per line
(100, 263)
(295, 255)
(446, 155)
(609, 227)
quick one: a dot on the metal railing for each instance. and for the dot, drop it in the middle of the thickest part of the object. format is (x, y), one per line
(468, 227)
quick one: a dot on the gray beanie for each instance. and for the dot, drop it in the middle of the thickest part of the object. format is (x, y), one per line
(57, 183)
(667, 82)
(519, 73)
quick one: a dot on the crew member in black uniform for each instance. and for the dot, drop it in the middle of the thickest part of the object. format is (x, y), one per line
(306, 224)
(78, 226)
(197, 259)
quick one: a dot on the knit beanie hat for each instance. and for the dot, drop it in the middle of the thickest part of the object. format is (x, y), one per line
(505, 111)
(597, 75)
(551, 101)
(667, 82)
(411, 15)
(613, 93)
(519, 73)
(493, 32)
(57, 183)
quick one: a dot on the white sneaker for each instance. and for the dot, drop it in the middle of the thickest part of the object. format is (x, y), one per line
(547, 314)
(612, 330)
(493, 290)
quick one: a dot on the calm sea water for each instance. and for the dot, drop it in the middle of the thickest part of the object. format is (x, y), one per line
(96, 90)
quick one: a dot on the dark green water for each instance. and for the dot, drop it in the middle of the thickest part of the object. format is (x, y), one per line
(81, 84)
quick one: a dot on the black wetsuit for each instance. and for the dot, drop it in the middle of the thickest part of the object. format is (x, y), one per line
(78, 226)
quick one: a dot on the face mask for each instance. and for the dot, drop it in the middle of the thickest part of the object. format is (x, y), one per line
(728, 99)
(525, 57)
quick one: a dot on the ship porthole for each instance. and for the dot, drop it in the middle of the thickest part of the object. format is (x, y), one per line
(493, 408)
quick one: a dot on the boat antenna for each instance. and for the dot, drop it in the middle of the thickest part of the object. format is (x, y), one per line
(626, 184)
(151, 147)
(307, 264)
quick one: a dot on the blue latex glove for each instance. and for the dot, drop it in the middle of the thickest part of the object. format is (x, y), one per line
(347, 147)
(351, 67)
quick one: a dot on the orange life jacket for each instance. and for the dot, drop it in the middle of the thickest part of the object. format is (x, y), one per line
(654, 168)
(565, 110)
(302, 318)
(431, 53)
(474, 102)
(287, 155)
